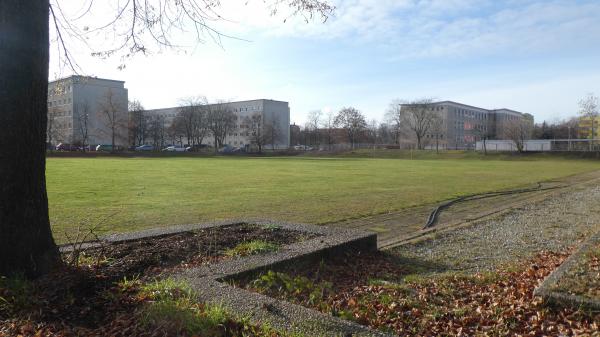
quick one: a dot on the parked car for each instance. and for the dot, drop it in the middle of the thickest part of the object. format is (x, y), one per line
(174, 148)
(197, 147)
(226, 149)
(108, 148)
(65, 147)
(145, 147)
(302, 148)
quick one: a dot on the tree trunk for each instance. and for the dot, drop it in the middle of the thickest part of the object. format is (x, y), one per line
(484, 147)
(26, 243)
(112, 139)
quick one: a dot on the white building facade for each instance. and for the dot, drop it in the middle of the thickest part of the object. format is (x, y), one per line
(463, 125)
(271, 112)
(85, 109)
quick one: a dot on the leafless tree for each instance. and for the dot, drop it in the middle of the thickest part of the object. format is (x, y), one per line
(157, 131)
(137, 26)
(220, 120)
(176, 131)
(437, 130)
(53, 127)
(114, 118)
(518, 130)
(313, 122)
(82, 112)
(193, 116)
(353, 121)
(386, 133)
(418, 116)
(273, 131)
(373, 130)
(588, 109)
(254, 124)
(138, 126)
(329, 126)
(482, 133)
(393, 117)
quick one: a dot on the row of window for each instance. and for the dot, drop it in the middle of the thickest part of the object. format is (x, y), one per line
(59, 102)
(60, 113)
(471, 114)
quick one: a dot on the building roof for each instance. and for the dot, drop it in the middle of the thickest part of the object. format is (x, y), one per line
(474, 107)
(80, 76)
(233, 102)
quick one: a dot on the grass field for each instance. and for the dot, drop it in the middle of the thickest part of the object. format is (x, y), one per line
(133, 193)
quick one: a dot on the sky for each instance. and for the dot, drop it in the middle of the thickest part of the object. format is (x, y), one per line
(533, 56)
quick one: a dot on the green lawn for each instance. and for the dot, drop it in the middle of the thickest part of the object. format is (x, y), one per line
(132, 193)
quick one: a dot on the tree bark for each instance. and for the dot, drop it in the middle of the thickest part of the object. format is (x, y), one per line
(26, 243)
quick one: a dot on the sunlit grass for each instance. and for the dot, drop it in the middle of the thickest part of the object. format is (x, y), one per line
(124, 194)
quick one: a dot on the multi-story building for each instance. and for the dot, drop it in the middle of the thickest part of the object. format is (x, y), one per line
(87, 109)
(272, 113)
(461, 126)
(585, 129)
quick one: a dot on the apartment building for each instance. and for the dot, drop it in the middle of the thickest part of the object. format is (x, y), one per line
(272, 113)
(462, 125)
(82, 107)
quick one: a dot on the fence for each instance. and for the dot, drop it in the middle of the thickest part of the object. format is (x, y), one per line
(542, 145)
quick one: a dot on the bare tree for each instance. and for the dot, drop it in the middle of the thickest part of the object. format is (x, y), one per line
(329, 126)
(220, 121)
(254, 124)
(53, 127)
(82, 111)
(138, 26)
(157, 131)
(418, 116)
(114, 118)
(386, 133)
(518, 130)
(437, 130)
(137, 123)
(482, 133)
(393, 116)
(313, 122)
(193, 118)
(353, 121)
(588, 108)
(373, 129)
(176, 132)
(273, 131)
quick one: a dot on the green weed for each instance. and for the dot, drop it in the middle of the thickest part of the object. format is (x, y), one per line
(252, 248)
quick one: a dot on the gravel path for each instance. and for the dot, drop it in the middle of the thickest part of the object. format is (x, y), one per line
(551, 224)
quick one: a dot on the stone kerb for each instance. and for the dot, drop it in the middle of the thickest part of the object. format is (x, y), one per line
(547, 289)
(211, 281)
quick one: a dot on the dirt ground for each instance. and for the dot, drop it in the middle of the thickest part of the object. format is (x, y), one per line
(398, 227)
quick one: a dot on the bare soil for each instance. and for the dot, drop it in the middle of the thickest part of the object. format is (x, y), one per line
(87, 299)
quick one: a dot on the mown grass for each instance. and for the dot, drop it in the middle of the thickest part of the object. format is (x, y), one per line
(124, 194)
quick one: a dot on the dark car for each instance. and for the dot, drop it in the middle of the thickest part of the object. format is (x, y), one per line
(145, 147)
(197, 147)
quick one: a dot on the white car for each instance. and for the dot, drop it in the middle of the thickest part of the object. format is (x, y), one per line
(173, 148)
(302, 148)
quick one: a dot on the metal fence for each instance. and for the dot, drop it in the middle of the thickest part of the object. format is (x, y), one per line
(542, 145)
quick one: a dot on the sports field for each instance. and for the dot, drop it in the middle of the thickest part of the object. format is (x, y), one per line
(124, 194)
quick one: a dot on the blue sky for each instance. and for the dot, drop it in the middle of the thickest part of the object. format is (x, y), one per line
(533, 56)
